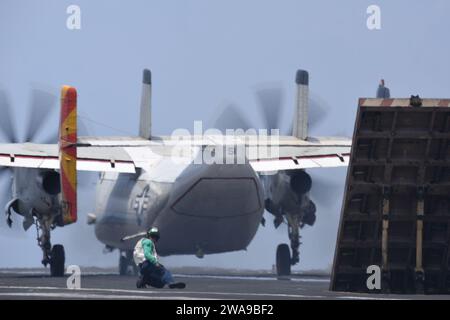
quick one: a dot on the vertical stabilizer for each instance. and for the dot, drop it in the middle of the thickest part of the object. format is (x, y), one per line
(68, 154)
(145, 121)
(300, 125)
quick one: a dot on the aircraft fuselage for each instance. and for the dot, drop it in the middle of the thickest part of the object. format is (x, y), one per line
(207, 208)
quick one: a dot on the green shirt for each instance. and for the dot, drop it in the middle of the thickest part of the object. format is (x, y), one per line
(149, 251)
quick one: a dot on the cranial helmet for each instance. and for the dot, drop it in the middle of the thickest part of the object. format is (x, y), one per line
(153, 233)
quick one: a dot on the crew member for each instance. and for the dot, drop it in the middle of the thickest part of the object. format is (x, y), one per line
(152, 272)
(383, 92)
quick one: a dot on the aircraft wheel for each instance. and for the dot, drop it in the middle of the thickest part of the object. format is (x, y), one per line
(57, 261)
(283, 260)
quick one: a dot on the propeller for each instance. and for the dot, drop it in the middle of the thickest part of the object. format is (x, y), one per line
(9, 134)
(318, 109)
(270, 100)
(6, 120)
(271, 105)
(41, 106)
(52, 138)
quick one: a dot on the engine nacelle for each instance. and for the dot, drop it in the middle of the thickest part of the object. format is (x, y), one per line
(300, 182)
(35, 190)
(50, 182)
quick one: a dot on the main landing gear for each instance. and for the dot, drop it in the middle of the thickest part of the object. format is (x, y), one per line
(284, 260)
(54, 256)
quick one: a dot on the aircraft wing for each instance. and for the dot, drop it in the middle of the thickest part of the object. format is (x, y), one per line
(102, 154)
(295, 153)
(45, 156)
(125, 154)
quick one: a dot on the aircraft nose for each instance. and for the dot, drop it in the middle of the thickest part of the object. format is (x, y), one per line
(207, 206)
(220, 192)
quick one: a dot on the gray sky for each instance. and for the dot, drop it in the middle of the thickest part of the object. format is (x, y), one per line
(204, 54)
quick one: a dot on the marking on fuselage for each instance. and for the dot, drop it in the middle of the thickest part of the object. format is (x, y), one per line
(141, 204)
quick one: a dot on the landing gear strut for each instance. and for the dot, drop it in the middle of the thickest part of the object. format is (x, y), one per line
(126, 264)
(294, 236)
(55, 256)
(284, 260)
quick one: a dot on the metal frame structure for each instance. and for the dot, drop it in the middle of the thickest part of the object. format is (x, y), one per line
(396, 208)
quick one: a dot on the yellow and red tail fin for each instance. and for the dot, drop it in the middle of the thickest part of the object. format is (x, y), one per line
(68, 154)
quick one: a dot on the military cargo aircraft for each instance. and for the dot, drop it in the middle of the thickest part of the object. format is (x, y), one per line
(205, 192)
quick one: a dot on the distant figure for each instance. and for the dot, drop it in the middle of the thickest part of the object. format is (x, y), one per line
(382, 91)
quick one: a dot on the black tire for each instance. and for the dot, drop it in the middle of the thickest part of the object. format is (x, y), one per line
(123, 266)
(57, 261)
(283, 260)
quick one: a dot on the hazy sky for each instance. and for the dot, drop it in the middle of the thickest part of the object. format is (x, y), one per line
(204, 54)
